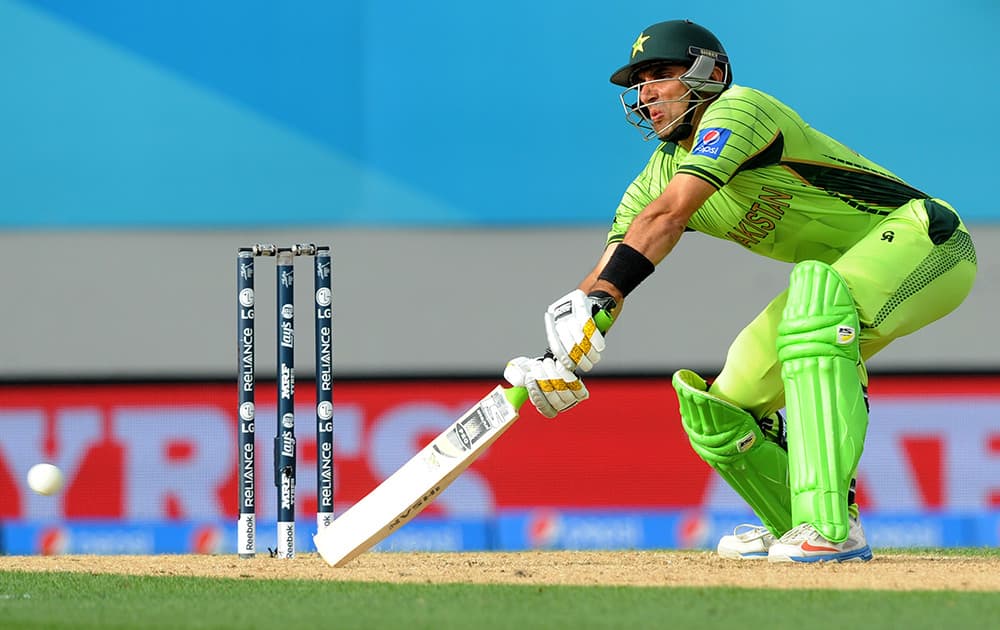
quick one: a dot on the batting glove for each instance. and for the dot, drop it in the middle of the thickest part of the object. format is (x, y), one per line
(551, 387)
(572, 333)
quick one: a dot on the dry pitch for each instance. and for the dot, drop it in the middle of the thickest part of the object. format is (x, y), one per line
(633, 568)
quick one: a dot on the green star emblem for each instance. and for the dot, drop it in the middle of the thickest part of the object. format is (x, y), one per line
(637, 46)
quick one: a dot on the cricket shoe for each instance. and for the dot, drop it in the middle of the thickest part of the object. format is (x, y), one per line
(805, 544)
(747, 542)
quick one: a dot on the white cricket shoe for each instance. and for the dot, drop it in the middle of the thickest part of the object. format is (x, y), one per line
(805, 544)
(747, 542)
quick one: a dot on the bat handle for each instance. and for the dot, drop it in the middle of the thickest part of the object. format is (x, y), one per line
(516, 395)
(603, 320)
(519, 395)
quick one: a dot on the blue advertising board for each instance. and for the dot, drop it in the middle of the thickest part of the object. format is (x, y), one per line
(509, 531)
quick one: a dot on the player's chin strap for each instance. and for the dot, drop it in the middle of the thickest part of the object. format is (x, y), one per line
(683, 130)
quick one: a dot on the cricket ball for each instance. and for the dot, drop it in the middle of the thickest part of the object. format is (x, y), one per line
(45, 479)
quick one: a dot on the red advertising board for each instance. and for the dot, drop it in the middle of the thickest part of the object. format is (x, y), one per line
(162, 452)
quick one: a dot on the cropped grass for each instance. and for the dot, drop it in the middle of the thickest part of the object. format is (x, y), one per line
(947, 552)
(81, 600)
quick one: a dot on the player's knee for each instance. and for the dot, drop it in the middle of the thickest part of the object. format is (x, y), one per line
(820, 318)
(720, 432)
(731, 442)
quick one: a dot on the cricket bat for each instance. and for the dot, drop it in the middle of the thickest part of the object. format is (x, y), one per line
(419, 481)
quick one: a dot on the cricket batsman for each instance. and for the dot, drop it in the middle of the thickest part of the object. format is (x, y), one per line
(873, 259)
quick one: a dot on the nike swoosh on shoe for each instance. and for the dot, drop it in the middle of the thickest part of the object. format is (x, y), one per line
(806, 546)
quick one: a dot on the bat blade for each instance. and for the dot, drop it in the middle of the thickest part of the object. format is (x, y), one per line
(419, 481)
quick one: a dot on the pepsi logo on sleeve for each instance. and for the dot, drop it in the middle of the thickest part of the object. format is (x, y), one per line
(711, 141)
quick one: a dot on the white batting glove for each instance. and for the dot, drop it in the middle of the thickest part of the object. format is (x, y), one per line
(551, 387)
(572, 333)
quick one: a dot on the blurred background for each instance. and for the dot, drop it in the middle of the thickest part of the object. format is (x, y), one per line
(464, 162)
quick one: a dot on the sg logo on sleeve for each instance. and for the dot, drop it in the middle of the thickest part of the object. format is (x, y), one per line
(711, 141)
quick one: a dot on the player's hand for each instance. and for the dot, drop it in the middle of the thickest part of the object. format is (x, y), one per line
(574, 337)
(551, 387)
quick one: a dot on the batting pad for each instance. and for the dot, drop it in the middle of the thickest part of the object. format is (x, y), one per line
(827, 419)
(729, 439)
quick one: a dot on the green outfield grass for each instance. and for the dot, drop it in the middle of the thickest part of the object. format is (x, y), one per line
(68, 600)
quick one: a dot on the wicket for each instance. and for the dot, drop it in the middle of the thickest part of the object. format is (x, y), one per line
(284, 441)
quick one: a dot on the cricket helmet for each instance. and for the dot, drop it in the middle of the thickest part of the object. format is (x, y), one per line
(682, 42)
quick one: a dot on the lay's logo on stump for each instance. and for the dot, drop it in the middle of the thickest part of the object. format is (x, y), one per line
(710, 142)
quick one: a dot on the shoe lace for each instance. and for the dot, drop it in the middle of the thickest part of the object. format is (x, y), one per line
(795, 532)
(749, 531)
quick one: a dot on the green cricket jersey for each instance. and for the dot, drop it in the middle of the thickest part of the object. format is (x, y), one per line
(783, 189)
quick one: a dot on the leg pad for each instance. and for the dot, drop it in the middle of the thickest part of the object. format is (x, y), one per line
(729, 439)
(824, 399)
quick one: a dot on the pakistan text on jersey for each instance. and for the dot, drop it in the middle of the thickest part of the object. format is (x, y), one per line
(761, 219)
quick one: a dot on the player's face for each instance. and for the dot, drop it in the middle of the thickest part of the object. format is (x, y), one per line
(663, 98)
